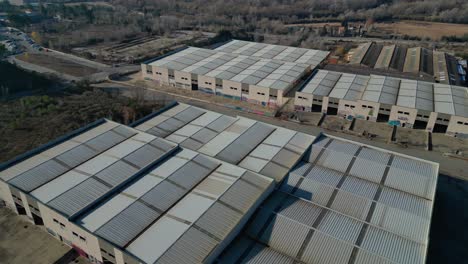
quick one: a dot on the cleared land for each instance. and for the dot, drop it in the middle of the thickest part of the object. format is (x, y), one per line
(58, 64)
(433, 30)
(141, 47)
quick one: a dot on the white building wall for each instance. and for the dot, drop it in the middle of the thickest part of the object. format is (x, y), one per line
(458, 126)
(207, 84)
(157, 74)
(183, 80)
(280, 97)
(26, 205)
(90, 245)
(303, 101)
(232, 89)
(403, 116)
(5, 195)
(259, 95)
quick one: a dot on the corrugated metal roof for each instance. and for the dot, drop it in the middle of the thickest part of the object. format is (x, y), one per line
(322, 83)
(96, 186)
(52, 168)
(359, 53)
(257, 146)
(245, 143)
(332, 209)
(276, 72)
(393, 247)
(211, 224)
(385, 57)
(276, 52)
(433, 97)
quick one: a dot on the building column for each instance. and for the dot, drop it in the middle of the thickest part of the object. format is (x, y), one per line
(325, 104)
(431, 122)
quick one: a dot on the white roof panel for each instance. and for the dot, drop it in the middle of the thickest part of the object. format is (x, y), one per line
(104, 213)
(157, 239)
(59, 185)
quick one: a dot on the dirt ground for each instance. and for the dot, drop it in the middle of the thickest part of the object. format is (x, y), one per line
(413, 137)
(310, 118)
(382, 130)
(23, 242)
(444, 144)
(335, 123)
(434, 30)
(58, 64)
(32, 121)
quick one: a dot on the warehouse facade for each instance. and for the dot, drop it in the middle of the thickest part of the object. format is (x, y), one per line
(415, 104)
(254, 72)
(179, 185)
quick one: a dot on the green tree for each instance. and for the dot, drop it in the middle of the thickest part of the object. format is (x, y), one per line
(3, 50)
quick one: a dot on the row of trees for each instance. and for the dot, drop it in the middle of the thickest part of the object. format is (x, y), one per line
(290, 10)
(122, 19)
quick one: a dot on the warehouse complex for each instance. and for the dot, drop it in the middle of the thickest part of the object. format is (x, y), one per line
(119, 195)
(187, 185)
(435, 107)
(430, 65)
(254, 72)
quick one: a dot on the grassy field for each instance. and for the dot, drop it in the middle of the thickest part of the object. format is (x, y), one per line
(433, 30)
(58, 64)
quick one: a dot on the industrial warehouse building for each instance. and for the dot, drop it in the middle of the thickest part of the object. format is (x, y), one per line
(254, 72)
(180, 186)
(434, 107)
(416, 62)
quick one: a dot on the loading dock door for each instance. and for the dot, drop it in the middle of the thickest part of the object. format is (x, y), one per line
(37, 219)
(316, 108)
(332, 111)
(20, 209)
(383, 117)
(419, 124)
(438, 128)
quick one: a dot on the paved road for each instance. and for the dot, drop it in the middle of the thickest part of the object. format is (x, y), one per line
(450, 166)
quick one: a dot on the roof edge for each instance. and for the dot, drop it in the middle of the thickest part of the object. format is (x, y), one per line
(219, 44)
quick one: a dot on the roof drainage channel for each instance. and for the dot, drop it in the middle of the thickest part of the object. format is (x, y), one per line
(53, 168)
(77, 200)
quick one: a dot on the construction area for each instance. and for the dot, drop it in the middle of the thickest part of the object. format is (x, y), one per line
(141, 48)
(180, 185)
